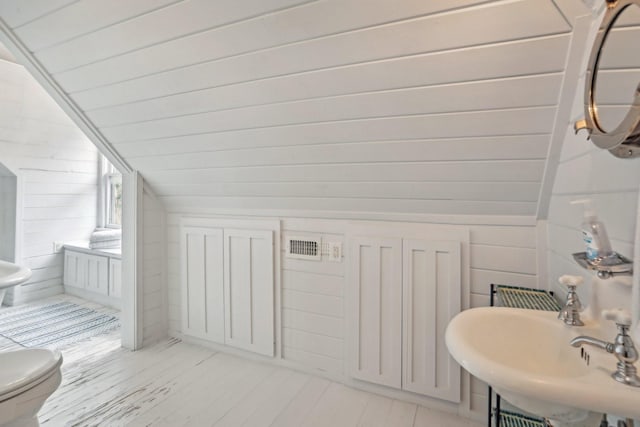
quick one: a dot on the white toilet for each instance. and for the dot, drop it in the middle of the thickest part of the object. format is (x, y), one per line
(27, 378)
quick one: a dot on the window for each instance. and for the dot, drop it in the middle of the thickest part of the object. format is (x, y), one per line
(114, 200)
(111, 190)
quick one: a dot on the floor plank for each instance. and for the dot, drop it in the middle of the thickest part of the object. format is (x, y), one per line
(298, 409)
(338, 406)
(172, 383)
(376, 412)
(402, 414)
(276, 402)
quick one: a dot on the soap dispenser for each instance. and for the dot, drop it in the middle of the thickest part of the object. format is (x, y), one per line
(594, 233)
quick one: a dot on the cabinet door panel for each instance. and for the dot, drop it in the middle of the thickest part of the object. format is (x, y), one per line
(374, 310)
(202, 278)
(72, 270)
(97, 274)
(431, 297)
(249, 292)
(115, 278)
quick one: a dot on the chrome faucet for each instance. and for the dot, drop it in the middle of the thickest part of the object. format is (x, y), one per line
(622, 347)
(570, 313)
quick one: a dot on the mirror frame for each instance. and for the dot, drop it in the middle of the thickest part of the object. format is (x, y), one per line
(623, 141)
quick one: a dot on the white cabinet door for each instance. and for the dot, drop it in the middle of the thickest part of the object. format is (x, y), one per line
(89, 272)
(431, 288)
(97, 273)
(249, 290)
(202, 278)
(74, 269)
(374, 310)
(115, 278)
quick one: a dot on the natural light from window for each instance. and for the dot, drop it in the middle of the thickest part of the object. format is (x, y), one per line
(112, 185)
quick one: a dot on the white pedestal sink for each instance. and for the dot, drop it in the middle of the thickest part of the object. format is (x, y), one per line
(11, 275)
(526, 357)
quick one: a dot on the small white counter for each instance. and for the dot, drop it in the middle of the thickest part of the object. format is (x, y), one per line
(83, 246)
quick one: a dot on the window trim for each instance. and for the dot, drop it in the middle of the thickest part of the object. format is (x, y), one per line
(106, 172)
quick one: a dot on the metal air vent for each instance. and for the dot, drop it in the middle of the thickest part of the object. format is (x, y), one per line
(304, 248)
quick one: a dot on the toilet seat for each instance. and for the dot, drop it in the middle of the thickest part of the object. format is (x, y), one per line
(21, 370)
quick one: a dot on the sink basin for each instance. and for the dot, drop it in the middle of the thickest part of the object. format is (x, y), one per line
(526, 357)
(12, 274)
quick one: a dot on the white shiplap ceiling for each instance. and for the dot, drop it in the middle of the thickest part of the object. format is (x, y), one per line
(405, 106)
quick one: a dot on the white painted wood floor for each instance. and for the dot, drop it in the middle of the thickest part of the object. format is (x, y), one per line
(173, 383)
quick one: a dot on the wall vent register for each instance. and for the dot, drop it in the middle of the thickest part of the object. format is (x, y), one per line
(313, 249)
(304, 248)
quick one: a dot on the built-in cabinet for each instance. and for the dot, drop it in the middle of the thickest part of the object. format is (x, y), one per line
(228, 288)
(402, 292)
(89, 272)
(94, 277)
(115, 278)
(374, 309)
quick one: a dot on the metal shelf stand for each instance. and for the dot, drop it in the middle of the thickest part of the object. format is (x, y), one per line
(517, 297)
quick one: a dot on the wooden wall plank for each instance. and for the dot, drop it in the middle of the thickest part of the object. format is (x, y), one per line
(161, 25)
(71, 21)
(184, 204)
(58, 201)
(572, 8)
(314, 343)
(494, 171)
(349, 155)
(390, 138)
(19, 13)
(322, 284)
(491, 191)
(440, 32)
(347, 23)
(515, 260)
(311, 322)
(88, 155)
(527, 92)
(511, 92)
(517, 237)
(313, 303)
(313, 267)
(467, 123)
(525, 57)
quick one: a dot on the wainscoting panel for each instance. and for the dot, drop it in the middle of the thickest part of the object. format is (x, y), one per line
(249, 290)
(203, 291)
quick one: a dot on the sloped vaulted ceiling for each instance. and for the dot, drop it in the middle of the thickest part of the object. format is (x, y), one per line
(362, 105)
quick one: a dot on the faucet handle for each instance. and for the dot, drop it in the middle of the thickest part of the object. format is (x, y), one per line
(570, 313)
(569, 280)
(619, 315)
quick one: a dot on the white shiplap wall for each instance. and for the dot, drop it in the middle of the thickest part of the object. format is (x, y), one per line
(360, 106)
(336, 105)
(8, 194)
(56, 167)
(584, 171)
(155, 309)
(313, 318)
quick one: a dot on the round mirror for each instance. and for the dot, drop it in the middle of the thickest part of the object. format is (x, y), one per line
(618, 70)
(612, 88)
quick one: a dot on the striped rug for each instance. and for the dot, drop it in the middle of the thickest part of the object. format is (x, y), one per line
(53, 325)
